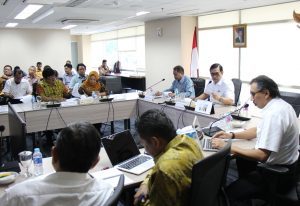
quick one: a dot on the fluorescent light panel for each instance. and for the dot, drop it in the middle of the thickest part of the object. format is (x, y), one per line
(11, 25)
(28, 11)
(42, 16)
(142, 13)
(69, 26)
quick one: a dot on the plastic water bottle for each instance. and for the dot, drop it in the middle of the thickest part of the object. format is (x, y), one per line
(245, 112)
(38, 162)
(228, 122)
(176, 94)
(94, 95)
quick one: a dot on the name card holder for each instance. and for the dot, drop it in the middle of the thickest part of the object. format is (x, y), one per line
(204, 107)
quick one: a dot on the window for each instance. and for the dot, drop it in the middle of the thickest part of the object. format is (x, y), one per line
(273, 50)
(215, 46)
(127, 46)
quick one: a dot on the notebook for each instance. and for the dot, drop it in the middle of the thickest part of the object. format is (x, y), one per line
(124, 153)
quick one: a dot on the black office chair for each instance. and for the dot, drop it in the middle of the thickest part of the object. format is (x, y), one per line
(293, 99)
(199, 85)
(209, 179)
(114, 199)
(291, 197)
(237, 89)
(113, 84)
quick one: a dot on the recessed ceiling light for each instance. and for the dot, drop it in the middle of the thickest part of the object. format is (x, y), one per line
(142, 13)
(69, 26)
(28, 11)
(11, 25)
(42, 16)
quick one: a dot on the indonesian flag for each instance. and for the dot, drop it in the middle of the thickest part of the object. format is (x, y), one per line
(194, 68)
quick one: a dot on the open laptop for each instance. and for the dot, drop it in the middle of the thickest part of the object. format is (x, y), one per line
(207, 145)
(124, 153)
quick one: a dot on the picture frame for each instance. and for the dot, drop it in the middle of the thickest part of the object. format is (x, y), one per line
(239, 35)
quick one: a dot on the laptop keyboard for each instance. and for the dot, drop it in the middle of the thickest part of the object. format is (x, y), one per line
(207, 145)
(134, 162)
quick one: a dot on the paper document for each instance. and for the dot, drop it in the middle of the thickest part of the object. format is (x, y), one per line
(111, 176)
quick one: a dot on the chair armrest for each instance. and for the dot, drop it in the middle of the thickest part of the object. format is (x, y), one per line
(275, 169)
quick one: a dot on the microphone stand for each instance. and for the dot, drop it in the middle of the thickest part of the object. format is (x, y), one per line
(142, 95)
(212, 130)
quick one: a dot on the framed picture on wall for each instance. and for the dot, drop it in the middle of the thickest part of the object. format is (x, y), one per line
(239, 35)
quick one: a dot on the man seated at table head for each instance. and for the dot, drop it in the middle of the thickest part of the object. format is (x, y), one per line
(277, 142)
(182, 83)
(18, 86)
(50, 88)
(79, 77)
(39, 70)
(103, 68)
(174, 155)
(218, 89)
(76, 151)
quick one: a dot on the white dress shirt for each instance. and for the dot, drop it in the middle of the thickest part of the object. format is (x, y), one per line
(278, 132)
(224, 88)
(59, 188)
(17, 90)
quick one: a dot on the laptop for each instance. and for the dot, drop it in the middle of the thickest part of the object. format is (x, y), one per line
(207, 146)
(124, 153)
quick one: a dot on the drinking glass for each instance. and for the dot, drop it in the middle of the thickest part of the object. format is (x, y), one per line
(38, 100)
(25, 160)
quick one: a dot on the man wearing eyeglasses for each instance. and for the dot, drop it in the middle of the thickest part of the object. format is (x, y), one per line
(277, 141)
(218, 89)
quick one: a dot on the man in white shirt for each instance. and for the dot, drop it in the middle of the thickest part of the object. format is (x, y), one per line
(18, 86)
(75, 153)
(219, 90)
(276, 144)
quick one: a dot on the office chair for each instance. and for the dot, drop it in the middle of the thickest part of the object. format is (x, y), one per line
(113, 84)
(199, 85)
(237, 90)
(293, 99)
(291, 197)
(114, 199)
(209, 178)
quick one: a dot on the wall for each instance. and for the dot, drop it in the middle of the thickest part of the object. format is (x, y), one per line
(25, 47)
(168, 50)
(84, 50)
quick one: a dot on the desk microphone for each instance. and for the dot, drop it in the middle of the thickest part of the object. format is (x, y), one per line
(142, 95)
(155, 84)
(212, 130)
(2, 128)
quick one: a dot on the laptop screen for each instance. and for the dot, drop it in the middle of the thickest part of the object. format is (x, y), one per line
(120, 147)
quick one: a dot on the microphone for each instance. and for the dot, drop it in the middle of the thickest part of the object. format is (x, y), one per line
(142, 95)
(155, 84)
(2, 128)
(212, 130)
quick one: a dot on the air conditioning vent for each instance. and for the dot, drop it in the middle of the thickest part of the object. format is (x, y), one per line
(75, 3)
(78, 21)
(3, 2)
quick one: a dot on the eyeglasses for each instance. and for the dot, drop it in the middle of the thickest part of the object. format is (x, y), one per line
(254, 93)
(215, 73)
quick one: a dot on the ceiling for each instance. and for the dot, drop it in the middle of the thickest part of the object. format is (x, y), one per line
(93, 16)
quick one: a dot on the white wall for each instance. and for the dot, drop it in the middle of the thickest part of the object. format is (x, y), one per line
(172, 48)
(162, 53)
(25, 47)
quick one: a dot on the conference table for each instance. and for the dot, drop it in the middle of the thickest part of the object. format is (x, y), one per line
(124, 106)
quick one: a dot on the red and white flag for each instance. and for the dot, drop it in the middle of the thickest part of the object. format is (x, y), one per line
(194, 68)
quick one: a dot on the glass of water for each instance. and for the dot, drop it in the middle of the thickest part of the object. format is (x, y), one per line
(25, 160)
(38, 101)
